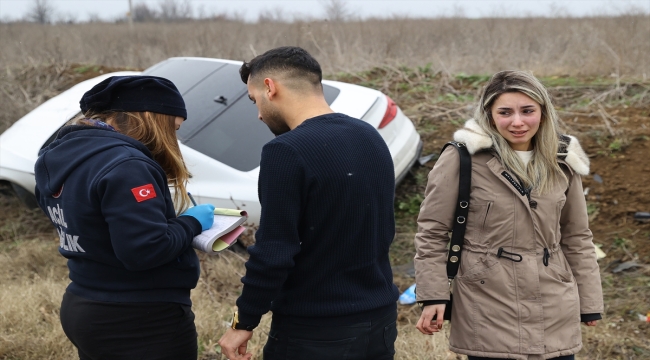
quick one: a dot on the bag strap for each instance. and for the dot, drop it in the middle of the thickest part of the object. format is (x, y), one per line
(462, 208)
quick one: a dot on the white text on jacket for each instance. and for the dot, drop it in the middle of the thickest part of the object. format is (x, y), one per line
(66, 241)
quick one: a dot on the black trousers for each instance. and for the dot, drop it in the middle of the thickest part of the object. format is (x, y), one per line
(566, 357)
(300, 340)
(102, 330)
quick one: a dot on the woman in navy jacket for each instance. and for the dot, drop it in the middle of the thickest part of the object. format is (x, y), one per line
(104, 183)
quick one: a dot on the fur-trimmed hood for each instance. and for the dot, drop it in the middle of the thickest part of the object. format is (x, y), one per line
(476, 140)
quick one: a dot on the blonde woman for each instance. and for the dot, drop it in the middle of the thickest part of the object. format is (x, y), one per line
(528, 274)
(104, 184)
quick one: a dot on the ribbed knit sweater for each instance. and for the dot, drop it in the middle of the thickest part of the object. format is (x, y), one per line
(326, 190)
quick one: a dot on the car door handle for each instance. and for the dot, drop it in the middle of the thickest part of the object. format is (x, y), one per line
(221, 100)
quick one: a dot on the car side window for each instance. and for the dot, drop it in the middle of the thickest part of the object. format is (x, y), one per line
(235, 137)
(184, 73)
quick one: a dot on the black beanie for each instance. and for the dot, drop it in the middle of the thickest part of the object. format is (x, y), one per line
(135, 93)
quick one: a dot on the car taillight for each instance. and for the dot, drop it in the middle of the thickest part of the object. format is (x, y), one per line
(391, 112)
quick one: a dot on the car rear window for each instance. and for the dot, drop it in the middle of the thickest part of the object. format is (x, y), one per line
(213, 95)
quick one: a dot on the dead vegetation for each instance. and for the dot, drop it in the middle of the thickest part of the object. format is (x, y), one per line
(27, 86)
(548, 46)
(422, 65)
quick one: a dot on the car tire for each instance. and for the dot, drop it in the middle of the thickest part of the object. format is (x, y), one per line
(238, 248)
(28, 199)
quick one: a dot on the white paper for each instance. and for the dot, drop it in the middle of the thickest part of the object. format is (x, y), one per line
(222, 225)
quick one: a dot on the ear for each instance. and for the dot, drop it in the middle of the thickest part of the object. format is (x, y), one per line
(270, 88)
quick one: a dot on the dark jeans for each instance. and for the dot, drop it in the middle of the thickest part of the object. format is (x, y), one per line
(102, 330)
(299, 340)
(566, 357)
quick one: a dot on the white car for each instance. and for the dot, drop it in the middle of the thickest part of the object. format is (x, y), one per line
(222, 139)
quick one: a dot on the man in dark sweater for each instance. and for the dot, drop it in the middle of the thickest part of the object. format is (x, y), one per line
(320, 262)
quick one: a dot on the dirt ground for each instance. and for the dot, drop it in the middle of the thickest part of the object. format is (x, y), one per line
(612, 122)
(622, 186)
(613, 125)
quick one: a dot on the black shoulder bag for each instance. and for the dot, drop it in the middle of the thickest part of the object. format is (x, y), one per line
(460, 217)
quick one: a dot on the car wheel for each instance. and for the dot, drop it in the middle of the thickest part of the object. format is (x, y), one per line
(28, 199)
(238, 248)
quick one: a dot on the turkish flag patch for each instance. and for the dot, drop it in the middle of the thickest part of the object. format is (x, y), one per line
(144, 192)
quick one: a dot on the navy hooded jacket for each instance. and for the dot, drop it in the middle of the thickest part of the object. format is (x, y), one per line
(111, 205)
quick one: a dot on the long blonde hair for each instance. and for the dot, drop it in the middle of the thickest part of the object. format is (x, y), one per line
(543, 170)
(158, 133)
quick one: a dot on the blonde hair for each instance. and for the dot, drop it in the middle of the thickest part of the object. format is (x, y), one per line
(543, 171)
(158, 133)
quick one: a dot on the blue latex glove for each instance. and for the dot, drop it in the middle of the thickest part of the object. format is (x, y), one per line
(204, 213)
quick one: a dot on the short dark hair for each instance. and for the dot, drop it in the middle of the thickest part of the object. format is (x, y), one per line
(293, 61)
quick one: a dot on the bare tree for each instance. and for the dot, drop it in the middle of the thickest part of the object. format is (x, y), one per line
(336, 10)
(41, 12)
(65, 18)
(272, 15)
(93, 17)
(143, 13)
(172, 10)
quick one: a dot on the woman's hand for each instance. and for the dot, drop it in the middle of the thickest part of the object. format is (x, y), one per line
(591, 323)
(204, 213)
(426, 324)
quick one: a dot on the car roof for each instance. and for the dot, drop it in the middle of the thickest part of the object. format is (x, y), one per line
(25, 138)
(222, 120)
(352, 100)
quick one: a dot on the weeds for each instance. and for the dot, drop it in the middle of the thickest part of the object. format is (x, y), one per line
(620, 242)
(616, 145)
(411, 205)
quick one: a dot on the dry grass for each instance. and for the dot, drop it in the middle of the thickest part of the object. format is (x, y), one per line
(27, 86)
(575, 46)
(33, 275)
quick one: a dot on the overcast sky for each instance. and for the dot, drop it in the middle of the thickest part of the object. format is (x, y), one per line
(250, 9)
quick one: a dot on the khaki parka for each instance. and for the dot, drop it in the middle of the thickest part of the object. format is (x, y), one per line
(528, 309)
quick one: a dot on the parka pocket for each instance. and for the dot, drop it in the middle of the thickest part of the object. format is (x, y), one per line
(558, 274)
(485, 217)
(558, 215)
(478, 222)
(479, 269)
(484, 306)
(561, 308)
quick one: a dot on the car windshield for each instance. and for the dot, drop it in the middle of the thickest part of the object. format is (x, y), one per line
(221, 121)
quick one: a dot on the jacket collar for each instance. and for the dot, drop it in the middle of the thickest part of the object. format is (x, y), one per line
(473, 136)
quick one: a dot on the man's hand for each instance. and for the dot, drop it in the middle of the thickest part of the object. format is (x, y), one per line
(592, 323)
(428, 326)
(234, 342)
